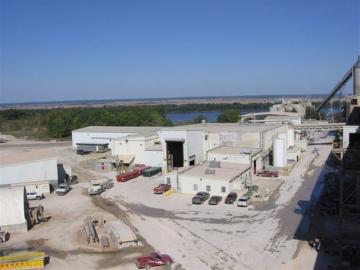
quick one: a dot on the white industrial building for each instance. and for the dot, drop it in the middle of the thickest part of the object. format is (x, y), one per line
(252, 157)
(349, 134)
(145, 148)
(13, 206)
(215, 180)
(272, 117)
(99, 138)
(185, 152)
(35, 170)
(189, 145)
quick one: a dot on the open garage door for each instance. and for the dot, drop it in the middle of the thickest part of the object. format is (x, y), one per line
(175, 154)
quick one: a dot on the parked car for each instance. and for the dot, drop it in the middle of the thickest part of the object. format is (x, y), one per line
(162, 188)
(231, 198)
(33, 195)
(200, 197)
(152, 260)
(214, 200)
(268, 173)
(244, 201)
(63, 189)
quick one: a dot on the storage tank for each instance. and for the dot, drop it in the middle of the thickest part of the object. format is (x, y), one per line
(291, 137)
(278, 153)
(283, 136)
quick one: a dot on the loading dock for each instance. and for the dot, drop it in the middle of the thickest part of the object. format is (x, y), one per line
(175, 154)
(92, 147)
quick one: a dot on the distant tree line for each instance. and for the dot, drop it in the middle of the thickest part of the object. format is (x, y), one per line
(58, 123)
(215, 107)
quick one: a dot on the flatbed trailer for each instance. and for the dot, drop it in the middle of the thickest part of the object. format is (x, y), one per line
(141, 169)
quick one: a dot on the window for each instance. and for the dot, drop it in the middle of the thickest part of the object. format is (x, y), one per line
(223, 189)
(354, 101)
(208, 188)
(195, 187)
(168, 180)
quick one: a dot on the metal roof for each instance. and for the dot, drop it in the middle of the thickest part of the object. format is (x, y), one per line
(12, 202)
(292, 114)
(25, 157)
(227, 171)
(232, 150)
(223, 127)
(117, 129)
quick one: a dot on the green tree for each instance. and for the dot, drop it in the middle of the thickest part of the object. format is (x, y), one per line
(229, 116)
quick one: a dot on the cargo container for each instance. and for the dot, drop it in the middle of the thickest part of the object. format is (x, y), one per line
(127, 176)
(151, 172)
(141, 169)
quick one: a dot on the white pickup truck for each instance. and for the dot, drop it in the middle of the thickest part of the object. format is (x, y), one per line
(63, 189)
(33, 195)
(98, 186)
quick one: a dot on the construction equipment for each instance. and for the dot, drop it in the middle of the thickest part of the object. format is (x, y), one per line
(3, 236)
(26, 260)
(36, 214)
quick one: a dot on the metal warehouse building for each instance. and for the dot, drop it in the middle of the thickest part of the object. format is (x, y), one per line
(13, 206)
(35, 170)
(189, 145)
(99, 138)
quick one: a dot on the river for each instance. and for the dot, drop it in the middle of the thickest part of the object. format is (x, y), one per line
(211, 116)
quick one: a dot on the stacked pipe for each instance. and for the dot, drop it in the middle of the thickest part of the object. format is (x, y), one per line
(90, 232)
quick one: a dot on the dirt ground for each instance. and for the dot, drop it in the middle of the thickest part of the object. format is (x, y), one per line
(196, 236)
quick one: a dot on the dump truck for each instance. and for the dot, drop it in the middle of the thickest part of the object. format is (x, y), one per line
(98, 186)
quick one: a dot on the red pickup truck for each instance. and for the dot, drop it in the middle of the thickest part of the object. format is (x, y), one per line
(152, 260)
(162, 188)
(127, 176)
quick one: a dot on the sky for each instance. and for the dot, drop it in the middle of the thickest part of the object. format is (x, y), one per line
(85, 50)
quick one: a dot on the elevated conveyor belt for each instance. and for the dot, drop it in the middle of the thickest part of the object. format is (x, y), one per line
(341, 83)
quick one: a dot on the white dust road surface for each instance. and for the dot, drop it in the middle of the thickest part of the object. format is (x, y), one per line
(222, 236)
